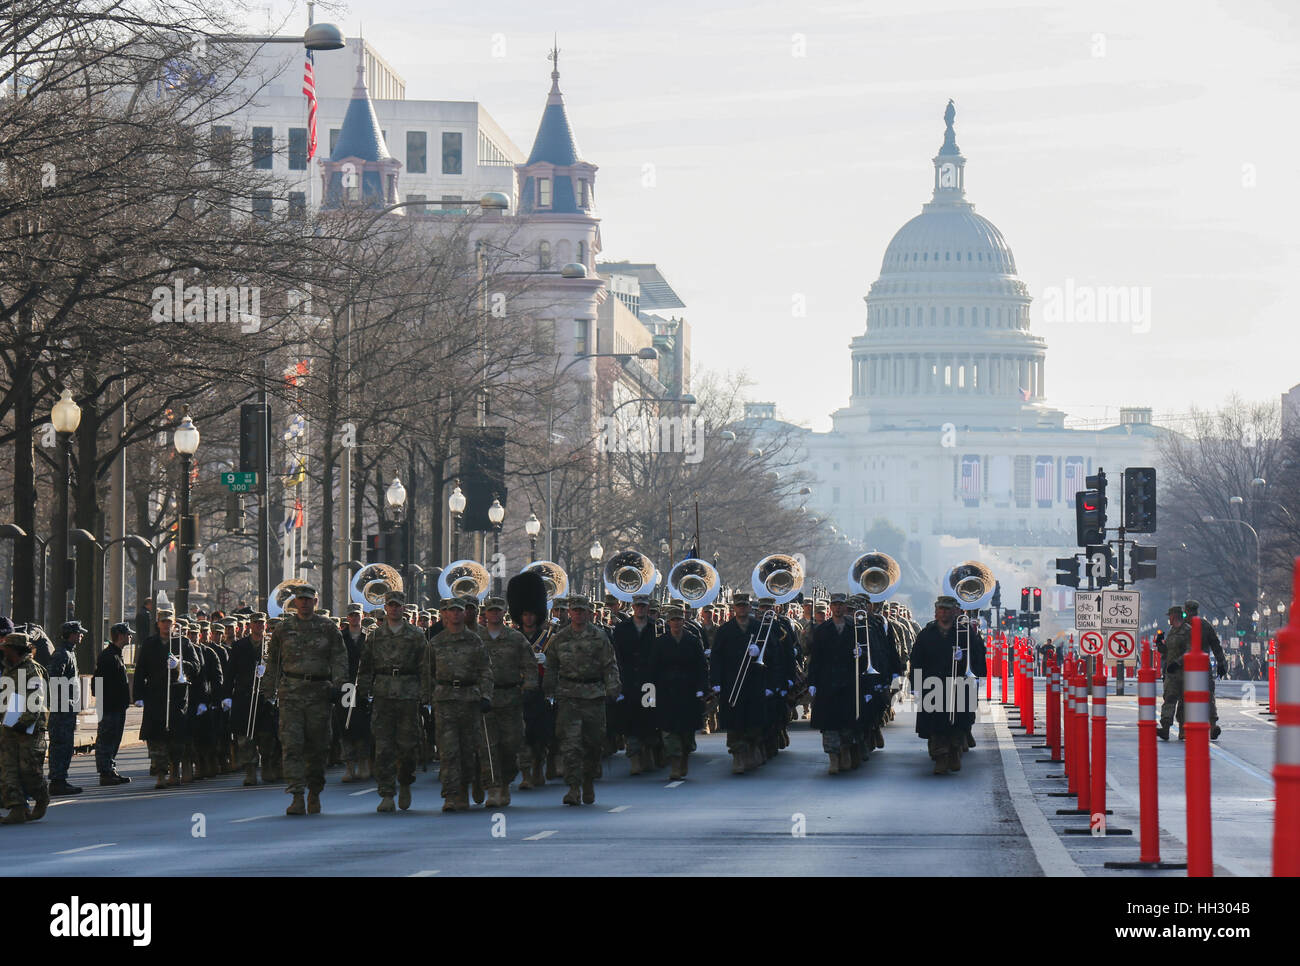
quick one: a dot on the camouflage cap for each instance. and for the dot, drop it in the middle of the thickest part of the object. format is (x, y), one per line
(355, 609)
(740, 597)
(766, 602)
(257, 617)
(166, 614)
(579, 602)
(494, 603)
(640, 598)
(451, 603)
(394, 597)
(304, 590)
(946, 600)
(469, 600)
(324, 612)
(839, 599)
(18, 642)
(1192, 607)
(369, 622)
(674, 611)
(1175, 609)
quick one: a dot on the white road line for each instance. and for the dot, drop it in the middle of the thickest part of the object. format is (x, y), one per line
(1236, 762)
(540, 835)
(251, 818)
(364, 791)
(423, 874)
(674, 784)
(619, 808)
(1258, 716)
(86, 848)
(1051, 854)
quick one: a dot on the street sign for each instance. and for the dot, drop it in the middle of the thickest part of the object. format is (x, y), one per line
(239, 482)
(1087, 610)
(1091, 643)
(1120, 646)
(1119, 609)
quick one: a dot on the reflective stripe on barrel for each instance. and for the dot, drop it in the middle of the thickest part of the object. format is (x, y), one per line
(1146, 700)
(1099, 700)
(1196, 696)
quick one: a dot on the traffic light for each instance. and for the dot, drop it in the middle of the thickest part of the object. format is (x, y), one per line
(996, 602)
(1240, 622)
(254, 438)
(1009, 619)
(1099, 565)
(1140, 499)
(1024, 598)
(1090, 516)
(1143, 563)
(1038, 600)
(1067, 571)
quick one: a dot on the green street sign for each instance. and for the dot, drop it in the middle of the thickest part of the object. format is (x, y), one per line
(239, 482)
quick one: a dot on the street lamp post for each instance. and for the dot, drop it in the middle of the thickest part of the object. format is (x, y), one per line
(395, 497)
(496, 516)
(597, 553)
(532, 527)
(456, 504)
(186, 441)
(66, 417)
(1258, 573)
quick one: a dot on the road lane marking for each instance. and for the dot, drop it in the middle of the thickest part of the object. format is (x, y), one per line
(674, 784)
(364, 791)
(619, 808)
(423, 874)
(540, 835)
(1236, 762)
(251, 818)
(1049, 851)
(86, 848)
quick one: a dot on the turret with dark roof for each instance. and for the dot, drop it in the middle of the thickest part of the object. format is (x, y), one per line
(360, 159)
(555, 179)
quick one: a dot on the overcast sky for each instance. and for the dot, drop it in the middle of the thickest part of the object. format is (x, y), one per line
(1113, 143)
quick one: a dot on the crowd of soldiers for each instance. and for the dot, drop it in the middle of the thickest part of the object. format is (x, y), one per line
(548, 694)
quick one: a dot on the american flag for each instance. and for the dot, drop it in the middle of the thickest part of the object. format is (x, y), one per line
(309, 89)
(1043, 481)
(1074, 478)
(1024, 393)
(970, 480)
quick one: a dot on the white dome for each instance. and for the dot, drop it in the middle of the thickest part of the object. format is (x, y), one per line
(948, 239)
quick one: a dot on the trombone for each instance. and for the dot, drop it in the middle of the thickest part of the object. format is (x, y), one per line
(861, 640)
(746, 661)
(180, 676)
(257, 692)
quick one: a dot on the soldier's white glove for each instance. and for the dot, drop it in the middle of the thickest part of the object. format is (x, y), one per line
(618, 699)
(866, 699)
(173, 662)
(789, 683)
(753, 650)
(717, 689)
(957, 654)
(541, 659)
(699, 694)
(139, 704)
(428, 708)
(708, 651)
(812, 690)
(260, 670)
(896, 677)
(226, 703)
(857, 650)
(767, 692)
(784, 692)
(203, 709)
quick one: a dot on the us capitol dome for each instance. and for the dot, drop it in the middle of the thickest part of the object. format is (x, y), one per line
(948, 317)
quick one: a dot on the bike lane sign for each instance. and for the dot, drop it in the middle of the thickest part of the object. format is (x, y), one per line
(1120, 609)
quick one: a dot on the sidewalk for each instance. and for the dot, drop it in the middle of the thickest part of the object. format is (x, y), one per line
(88, 725)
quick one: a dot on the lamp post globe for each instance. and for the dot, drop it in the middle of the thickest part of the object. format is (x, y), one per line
(65, 414)
(496, 513)
(395, 495)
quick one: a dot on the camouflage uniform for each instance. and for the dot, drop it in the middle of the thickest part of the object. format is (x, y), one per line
(581, 673)
(394, 671)
(22, 755)
(514, 669)
(1178, 642)
(307, 666)
(462, 677)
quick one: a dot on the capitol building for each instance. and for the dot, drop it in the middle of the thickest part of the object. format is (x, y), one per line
(948, 434)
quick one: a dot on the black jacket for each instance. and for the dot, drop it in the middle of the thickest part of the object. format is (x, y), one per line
(110, 685)
(932, 664)
(678, 671)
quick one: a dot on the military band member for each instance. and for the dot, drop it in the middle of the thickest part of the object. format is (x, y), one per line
(633, 641)
(354, 732)
(247, 668)
(745, 721)
(159, 664)
(514, 669)
(947, 703)
(831, 684)
(308, 667)
(394, 672)
(539, 714)
(581, 674)
(680, 675)
(462, 692)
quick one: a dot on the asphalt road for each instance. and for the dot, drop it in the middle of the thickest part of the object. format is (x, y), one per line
(891, 817)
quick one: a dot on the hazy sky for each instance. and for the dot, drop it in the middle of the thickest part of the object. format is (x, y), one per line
(1113, 143)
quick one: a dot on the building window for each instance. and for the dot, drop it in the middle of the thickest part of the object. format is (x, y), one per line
(835, 494)
(580, 327)
(545, 337)
(262, 149)
(451, 152)
(223, 145)
(297, 205)
(417, 152)
(543, 192)
(450, 203)
(582, 193)
(582, 253)
(835, 467)
(415, 204)
(947, 315)
(297, 149)
(543, 255)
(334, 139)
(262, 205)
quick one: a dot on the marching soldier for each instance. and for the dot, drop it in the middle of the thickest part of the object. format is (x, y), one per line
(538, 749)
(680, 675)
(354, 733)
(247, 667)
(1176, 646)
(308, 667)
(743, 722)
(514, 674)
(830, 683)
(462, 692)
(163, 669)
(581, 674)
(633, 642)
(23, 734)
(947, 710)
(393, 671)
